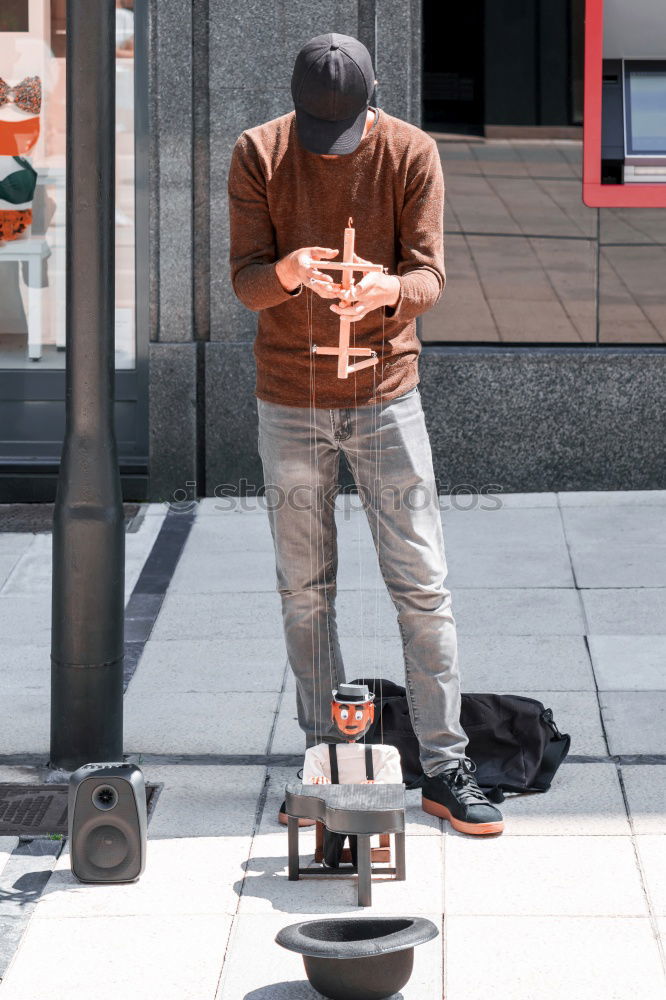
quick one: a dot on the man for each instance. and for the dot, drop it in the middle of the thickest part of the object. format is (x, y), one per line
(293, 184)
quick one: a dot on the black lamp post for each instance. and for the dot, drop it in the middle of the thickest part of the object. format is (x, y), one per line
(88, 525)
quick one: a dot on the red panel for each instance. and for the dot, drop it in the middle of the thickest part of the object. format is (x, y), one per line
(596, 194)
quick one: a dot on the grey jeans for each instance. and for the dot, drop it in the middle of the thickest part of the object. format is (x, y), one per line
(300, 451)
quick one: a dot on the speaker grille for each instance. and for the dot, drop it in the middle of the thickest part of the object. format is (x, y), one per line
(106, 847)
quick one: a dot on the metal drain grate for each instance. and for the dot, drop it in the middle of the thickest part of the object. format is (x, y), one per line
(37, 810)
(38, 517)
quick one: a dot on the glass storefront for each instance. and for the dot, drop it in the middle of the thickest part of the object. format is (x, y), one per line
(32, 185)
(33, 334)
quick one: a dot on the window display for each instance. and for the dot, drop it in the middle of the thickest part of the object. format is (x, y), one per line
(32, 184)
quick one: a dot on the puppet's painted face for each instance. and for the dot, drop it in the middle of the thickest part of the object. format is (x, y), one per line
(352, 721)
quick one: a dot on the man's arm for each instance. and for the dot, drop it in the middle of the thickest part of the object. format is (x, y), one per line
(421, 265)
(252, 248)
(420, 277)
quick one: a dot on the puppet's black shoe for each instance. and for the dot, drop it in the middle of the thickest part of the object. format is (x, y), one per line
(283, 818)
(455, 795)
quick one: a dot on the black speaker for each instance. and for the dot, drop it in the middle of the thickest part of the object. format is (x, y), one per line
(107, 822)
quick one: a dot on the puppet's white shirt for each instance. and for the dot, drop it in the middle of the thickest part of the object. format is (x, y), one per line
(351, 763)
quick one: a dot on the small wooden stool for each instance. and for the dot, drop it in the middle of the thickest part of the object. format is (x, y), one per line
(355, 810)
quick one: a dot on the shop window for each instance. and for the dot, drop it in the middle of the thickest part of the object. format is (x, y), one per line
(32, 184)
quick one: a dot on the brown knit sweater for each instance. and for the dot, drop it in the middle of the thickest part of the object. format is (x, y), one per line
(281, 198)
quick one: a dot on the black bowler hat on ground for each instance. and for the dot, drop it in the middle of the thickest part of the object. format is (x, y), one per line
(332, 86)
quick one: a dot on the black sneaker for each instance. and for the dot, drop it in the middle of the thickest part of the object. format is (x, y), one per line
(455, 795)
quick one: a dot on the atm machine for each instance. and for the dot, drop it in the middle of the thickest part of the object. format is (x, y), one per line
(624, 135)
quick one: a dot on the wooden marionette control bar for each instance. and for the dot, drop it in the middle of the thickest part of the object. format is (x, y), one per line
(347, 266)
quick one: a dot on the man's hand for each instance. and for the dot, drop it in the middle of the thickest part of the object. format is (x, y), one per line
(320, 779)
(374, 290)
(296, 269)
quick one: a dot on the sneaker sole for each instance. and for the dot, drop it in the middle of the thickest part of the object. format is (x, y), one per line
(284, 819)
(437, 809)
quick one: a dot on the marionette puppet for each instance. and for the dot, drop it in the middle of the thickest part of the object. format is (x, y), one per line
(351, 762)
(352, 707)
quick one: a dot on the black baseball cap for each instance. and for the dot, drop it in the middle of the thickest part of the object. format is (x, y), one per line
(332, 86)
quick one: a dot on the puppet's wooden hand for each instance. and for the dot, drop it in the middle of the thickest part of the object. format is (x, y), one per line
(368, 781)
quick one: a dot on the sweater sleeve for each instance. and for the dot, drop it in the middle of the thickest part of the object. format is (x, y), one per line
(421, 263)
(252, 246)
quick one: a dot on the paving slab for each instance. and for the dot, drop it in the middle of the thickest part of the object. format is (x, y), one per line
(226, 532)
(159, 508)
(652, 854)
(20, 773)
(522, 547)
(627, 611)
(523, 957)
(259, 969)
(32, 573)
(524, 663)
(513, 611)
(215, 506)
(612, 498)
(358, 567)
(200, 722)
(213, 665)
(645, 787)
(142, 957)
(629, 662)
(366, 613)
(223, 572)
(495, 500)
(371, 656)
(576, 713)
(15, 541)
(542, 876)
(211, 616)
(184, 875)
(204, 800)
(7, 845)
(25, 622)
(26, 727)
(617, 546)
(635, 721)
(8, 561)
(288, 737)
(583, 800)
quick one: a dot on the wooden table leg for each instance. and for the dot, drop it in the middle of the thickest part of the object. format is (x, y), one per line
(400, 861)
(292, 842)
(364, 871)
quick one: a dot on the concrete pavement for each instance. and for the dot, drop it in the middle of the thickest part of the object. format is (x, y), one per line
(558, 596)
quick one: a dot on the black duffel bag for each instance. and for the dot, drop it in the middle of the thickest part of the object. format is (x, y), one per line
(513, 740)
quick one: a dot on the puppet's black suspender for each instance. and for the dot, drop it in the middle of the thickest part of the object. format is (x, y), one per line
(333, 760)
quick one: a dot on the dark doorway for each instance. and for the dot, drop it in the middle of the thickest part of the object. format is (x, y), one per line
(453, 60)
(502, 63)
